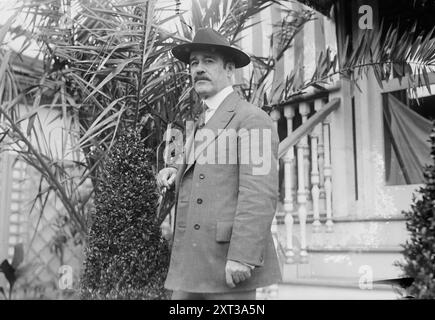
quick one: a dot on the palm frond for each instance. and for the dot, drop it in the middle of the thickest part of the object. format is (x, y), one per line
(386, 53)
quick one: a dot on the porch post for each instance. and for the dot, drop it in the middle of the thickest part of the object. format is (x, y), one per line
(342, 155)
(368, 128)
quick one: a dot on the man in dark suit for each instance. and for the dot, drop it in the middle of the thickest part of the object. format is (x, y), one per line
(223, 247)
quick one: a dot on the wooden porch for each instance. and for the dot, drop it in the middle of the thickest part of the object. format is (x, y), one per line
(327, 247)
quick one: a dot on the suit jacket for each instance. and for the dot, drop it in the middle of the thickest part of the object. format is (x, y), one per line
(224, 209)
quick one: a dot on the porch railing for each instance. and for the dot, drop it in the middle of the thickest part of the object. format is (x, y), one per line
(305, 156)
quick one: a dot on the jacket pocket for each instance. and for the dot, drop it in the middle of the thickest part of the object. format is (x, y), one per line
(223, 231)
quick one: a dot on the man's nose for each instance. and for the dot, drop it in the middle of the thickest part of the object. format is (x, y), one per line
(197, 72)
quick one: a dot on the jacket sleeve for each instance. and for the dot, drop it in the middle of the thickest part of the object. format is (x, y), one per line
(258, 188)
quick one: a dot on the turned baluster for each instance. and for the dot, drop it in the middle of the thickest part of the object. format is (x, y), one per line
(328, 176)
(275, 114)
(302, 192)
(314, 137)
(289, 113)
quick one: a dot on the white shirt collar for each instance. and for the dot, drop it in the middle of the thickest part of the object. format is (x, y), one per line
(214, 102)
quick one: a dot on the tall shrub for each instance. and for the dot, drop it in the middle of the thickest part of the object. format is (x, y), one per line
(126, 256)
(419, 250)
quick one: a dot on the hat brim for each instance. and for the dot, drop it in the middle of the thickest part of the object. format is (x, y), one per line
(182, 52)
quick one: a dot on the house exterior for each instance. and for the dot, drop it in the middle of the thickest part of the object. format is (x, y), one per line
(339, 225)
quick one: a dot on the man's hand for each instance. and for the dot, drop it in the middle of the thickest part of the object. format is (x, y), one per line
(166, 177)
(236, 272)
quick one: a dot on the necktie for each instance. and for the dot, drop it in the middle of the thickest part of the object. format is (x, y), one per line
(201, 119)
(199, 126)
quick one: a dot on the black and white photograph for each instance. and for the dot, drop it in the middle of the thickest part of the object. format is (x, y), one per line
(240, 150)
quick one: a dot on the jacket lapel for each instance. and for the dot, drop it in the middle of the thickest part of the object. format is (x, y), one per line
(219, 120)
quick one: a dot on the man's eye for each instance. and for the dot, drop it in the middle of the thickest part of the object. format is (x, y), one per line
(193, 63)
(209, 60)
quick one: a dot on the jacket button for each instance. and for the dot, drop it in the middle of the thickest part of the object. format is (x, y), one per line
(199, 201)
(196, 226)
(201, 176)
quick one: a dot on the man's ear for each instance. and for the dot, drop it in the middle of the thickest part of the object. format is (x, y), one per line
(230, 67)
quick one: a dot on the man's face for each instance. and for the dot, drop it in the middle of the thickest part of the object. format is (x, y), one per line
(209, 74)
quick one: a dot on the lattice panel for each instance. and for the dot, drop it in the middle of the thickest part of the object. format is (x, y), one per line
(16, 214)
(5, 173)
(36, 231)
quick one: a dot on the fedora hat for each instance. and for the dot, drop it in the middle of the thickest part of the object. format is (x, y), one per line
(210, 40)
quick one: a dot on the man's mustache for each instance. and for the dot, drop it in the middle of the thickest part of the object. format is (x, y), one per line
(198, 78)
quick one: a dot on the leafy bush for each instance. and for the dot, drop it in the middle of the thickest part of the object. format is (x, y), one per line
(419, 250)
(126, 255)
